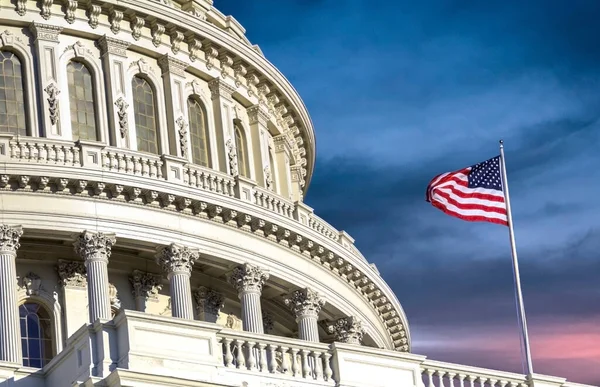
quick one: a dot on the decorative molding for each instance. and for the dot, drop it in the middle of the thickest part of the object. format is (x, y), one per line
(52, 99)
(70, 9)
(233, 322)
(72, 273)
(122, 107)
(240, 70)
(136, 26)
(176, 39)
(113, 294)
(46, 9)
(211, 52)
(146, 285)
(194, 47)
(268, 179)
(79, 49)
(21, 7)
(93, 12)
(347, 330)
(113, 46)
(183, 135)
(9, 239)
(196, 87)
(258, 114)
(226, 62)
(220, 89)
(45, 32)
(232, 156)
(248, 278)
(115, 17)
(177, 259)
(94, 246)
(209, 300)
(8, 39)
(169, 64)
(156, 31)
(31, 284)
(305, 302)
(142, 65)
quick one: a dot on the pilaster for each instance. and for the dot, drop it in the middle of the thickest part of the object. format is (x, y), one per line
(145, 287)
(73, 282)
(210, 303)
(173, 74)
(177, 261)
(347, 330)
(95, 249)
(306, 304)
(46, 41)
(248, 280)
(258, 116)
(114, 57)
(10, 334)
(283, 156)
(221, 95)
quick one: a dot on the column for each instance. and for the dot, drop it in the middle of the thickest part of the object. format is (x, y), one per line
(95, 249)
(46, 53)
(72, 275)
(173, 74)
(114, 60)
(145, 286)
(177, 262)
(222, 102)
(210, 303)
(347, 330)
(249, 280)
(306, 305)
(258, 115)
(10, 334)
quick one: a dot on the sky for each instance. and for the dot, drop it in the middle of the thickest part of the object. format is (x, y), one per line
(400, 91)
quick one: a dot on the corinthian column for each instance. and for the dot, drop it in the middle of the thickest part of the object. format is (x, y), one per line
(248, 281)
(347, 330)
(210, 303)
(177, 262)
(145, 286)
(306, 305)
(95, 249)
(10, 336)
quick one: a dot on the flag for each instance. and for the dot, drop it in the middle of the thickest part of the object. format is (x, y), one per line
(473, 193)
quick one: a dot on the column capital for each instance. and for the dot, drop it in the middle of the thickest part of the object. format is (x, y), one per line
(209, 300)
(45, 31)
(258, 114)
(305, 302)
(220, 88)
(95, 246)
(145, 285)
(9, 239)
(347, 330)
(249, 278)
(177, 259)
(113, 46)
(172, 65)
(72, 273)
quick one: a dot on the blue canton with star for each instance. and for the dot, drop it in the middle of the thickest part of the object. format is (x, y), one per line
(486, 175)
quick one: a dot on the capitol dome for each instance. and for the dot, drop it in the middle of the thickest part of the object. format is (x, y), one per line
(154, 165)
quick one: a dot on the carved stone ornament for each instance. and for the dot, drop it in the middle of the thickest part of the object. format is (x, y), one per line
(248, 278)
(70, 8)
(177, 259)
(347, 330)
(9, 239)
(93, 12)
(232, 155)
(72, 273)
(233, 322)
(183, 135)
(115, 17)
(305, 302)
(136, 27)
(122, 107)
(46, 9)
(268, 178)
(79, 49)
(53, 93)
(32, 284)
(92, 246)
(45, 32)
(146, 285)
(113, 46)
(8, 39)
(209, 300)
(257, 114)
(113, 294)
(141, 64)
(268, 322)
(21, 7)
(219, 88)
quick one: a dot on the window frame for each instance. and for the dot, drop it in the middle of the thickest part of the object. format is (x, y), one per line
(205, 129)
(87, 65)
(156, 113)
(237, 127)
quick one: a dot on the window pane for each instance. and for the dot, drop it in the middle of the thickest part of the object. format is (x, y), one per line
(36, 335)
(12, 113)
(82, 103)
(198, 133)
(145, 117)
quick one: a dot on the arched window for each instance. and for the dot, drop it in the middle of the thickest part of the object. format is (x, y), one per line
(144, 107)
(82, 102)
(36, 335)
(12, 98)
(272, 169)
(198, 133)
(242, 152)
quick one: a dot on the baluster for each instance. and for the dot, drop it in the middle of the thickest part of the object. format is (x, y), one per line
(13, 150)
(285, 365)
(502, 383)
(305, 366)
(30, 148)
(461, 380)
(219, 185)
(159, 165)
(471, 380)
(251, 363)
(262, 357)
(429, 378)
(76, 156)
(240, 360)
(295, 365)
(42, 153)
(120, 162)
(482, 381)
(450, 376)
(492, 382)
(318, 371)
(68, 156)
(113, 162)
(213, 183)
(327, 372)
(203, 180)
(137, 165)
(227, 357)
(272, 359)
(21, 151)
(440, 375)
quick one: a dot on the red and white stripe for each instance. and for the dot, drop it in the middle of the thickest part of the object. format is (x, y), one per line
(450, 193)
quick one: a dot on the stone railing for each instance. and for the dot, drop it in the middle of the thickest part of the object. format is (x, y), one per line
(208, 180)
(439, 374)
(273, 202)
(322, 227)
(46, 151)
(277, 355)
(133, 163)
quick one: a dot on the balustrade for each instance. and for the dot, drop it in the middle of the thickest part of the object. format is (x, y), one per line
(273, 202)
(322, 227)
(209, 180)
(439, 374)
(44, 151)
(133, 163)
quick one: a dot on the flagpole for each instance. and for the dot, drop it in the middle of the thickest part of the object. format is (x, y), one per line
(515, 261)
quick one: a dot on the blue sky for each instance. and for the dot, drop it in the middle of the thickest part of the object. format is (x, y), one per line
(400, 91)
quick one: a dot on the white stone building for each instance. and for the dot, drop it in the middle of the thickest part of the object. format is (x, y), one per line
(153, 231)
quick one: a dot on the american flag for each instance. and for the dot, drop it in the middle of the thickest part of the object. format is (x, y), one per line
(473, 193)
